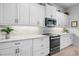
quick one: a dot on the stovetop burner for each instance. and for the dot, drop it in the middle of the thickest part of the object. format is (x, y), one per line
(49, 34)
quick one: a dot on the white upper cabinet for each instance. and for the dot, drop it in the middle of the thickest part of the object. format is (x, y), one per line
(36, 14)
(9, 13)
(1, 13)
(66, 22)
(42, 16)
(59, 19)
(50, 11)
(23, 13)
(30, 14)
(62, 19)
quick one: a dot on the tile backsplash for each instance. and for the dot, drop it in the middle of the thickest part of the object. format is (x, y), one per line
(24, 30)
(53, 30)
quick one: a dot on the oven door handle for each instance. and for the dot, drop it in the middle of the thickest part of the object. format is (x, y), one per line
(54, 38)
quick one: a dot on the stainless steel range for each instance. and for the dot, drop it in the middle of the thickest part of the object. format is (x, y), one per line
(54, 43)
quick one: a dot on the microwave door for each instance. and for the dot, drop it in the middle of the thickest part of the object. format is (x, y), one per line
(50, 22)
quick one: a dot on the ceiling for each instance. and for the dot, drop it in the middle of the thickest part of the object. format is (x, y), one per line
(66, 5)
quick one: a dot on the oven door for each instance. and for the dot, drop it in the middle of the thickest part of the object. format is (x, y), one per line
(54, 45)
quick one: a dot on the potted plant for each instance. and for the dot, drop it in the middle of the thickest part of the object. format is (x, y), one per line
(65, 30)
(7, 30)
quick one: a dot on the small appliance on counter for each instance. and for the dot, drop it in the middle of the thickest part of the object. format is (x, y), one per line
(54, 43)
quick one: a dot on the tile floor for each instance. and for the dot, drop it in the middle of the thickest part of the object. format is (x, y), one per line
(69, 51)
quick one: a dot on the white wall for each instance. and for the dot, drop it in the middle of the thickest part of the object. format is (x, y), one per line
(53, 30)
(74, 15)
(59, 8)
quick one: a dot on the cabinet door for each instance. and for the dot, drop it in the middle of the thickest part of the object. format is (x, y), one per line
(9, 13)
(54, 12)
(23, 13)
(1, 13)
(48, 11)
(26, 48)
(41, 20)
(59, 19)
(40, 43)
(42, 52)
(65, 20)
(36, 14)
(26, 51)
(62, 20)
(7, 52)
(65, 41)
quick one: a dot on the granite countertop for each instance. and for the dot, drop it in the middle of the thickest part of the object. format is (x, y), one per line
(16, 38)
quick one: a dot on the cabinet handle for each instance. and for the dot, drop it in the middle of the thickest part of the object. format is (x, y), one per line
(42, 52)
(16, 20)
(17, 43)
(51, 16)
(42, 45)
(17, 50)
(37, 22)
(41, 39)
(0, 54)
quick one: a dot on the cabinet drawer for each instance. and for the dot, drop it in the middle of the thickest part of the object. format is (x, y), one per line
(40, 40)
(4, 45)
(10, 44)
(42, 52)
(40, 44)
(7, 52)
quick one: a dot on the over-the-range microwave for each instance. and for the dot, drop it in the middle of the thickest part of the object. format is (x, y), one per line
(49, 22)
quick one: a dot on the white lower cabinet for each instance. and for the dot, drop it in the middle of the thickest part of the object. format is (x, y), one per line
(65, 40)
(62, 19)
(7, 52)
(17, 48)
(26, 48)
(41, 52)
(41, 46)
(29, 47)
